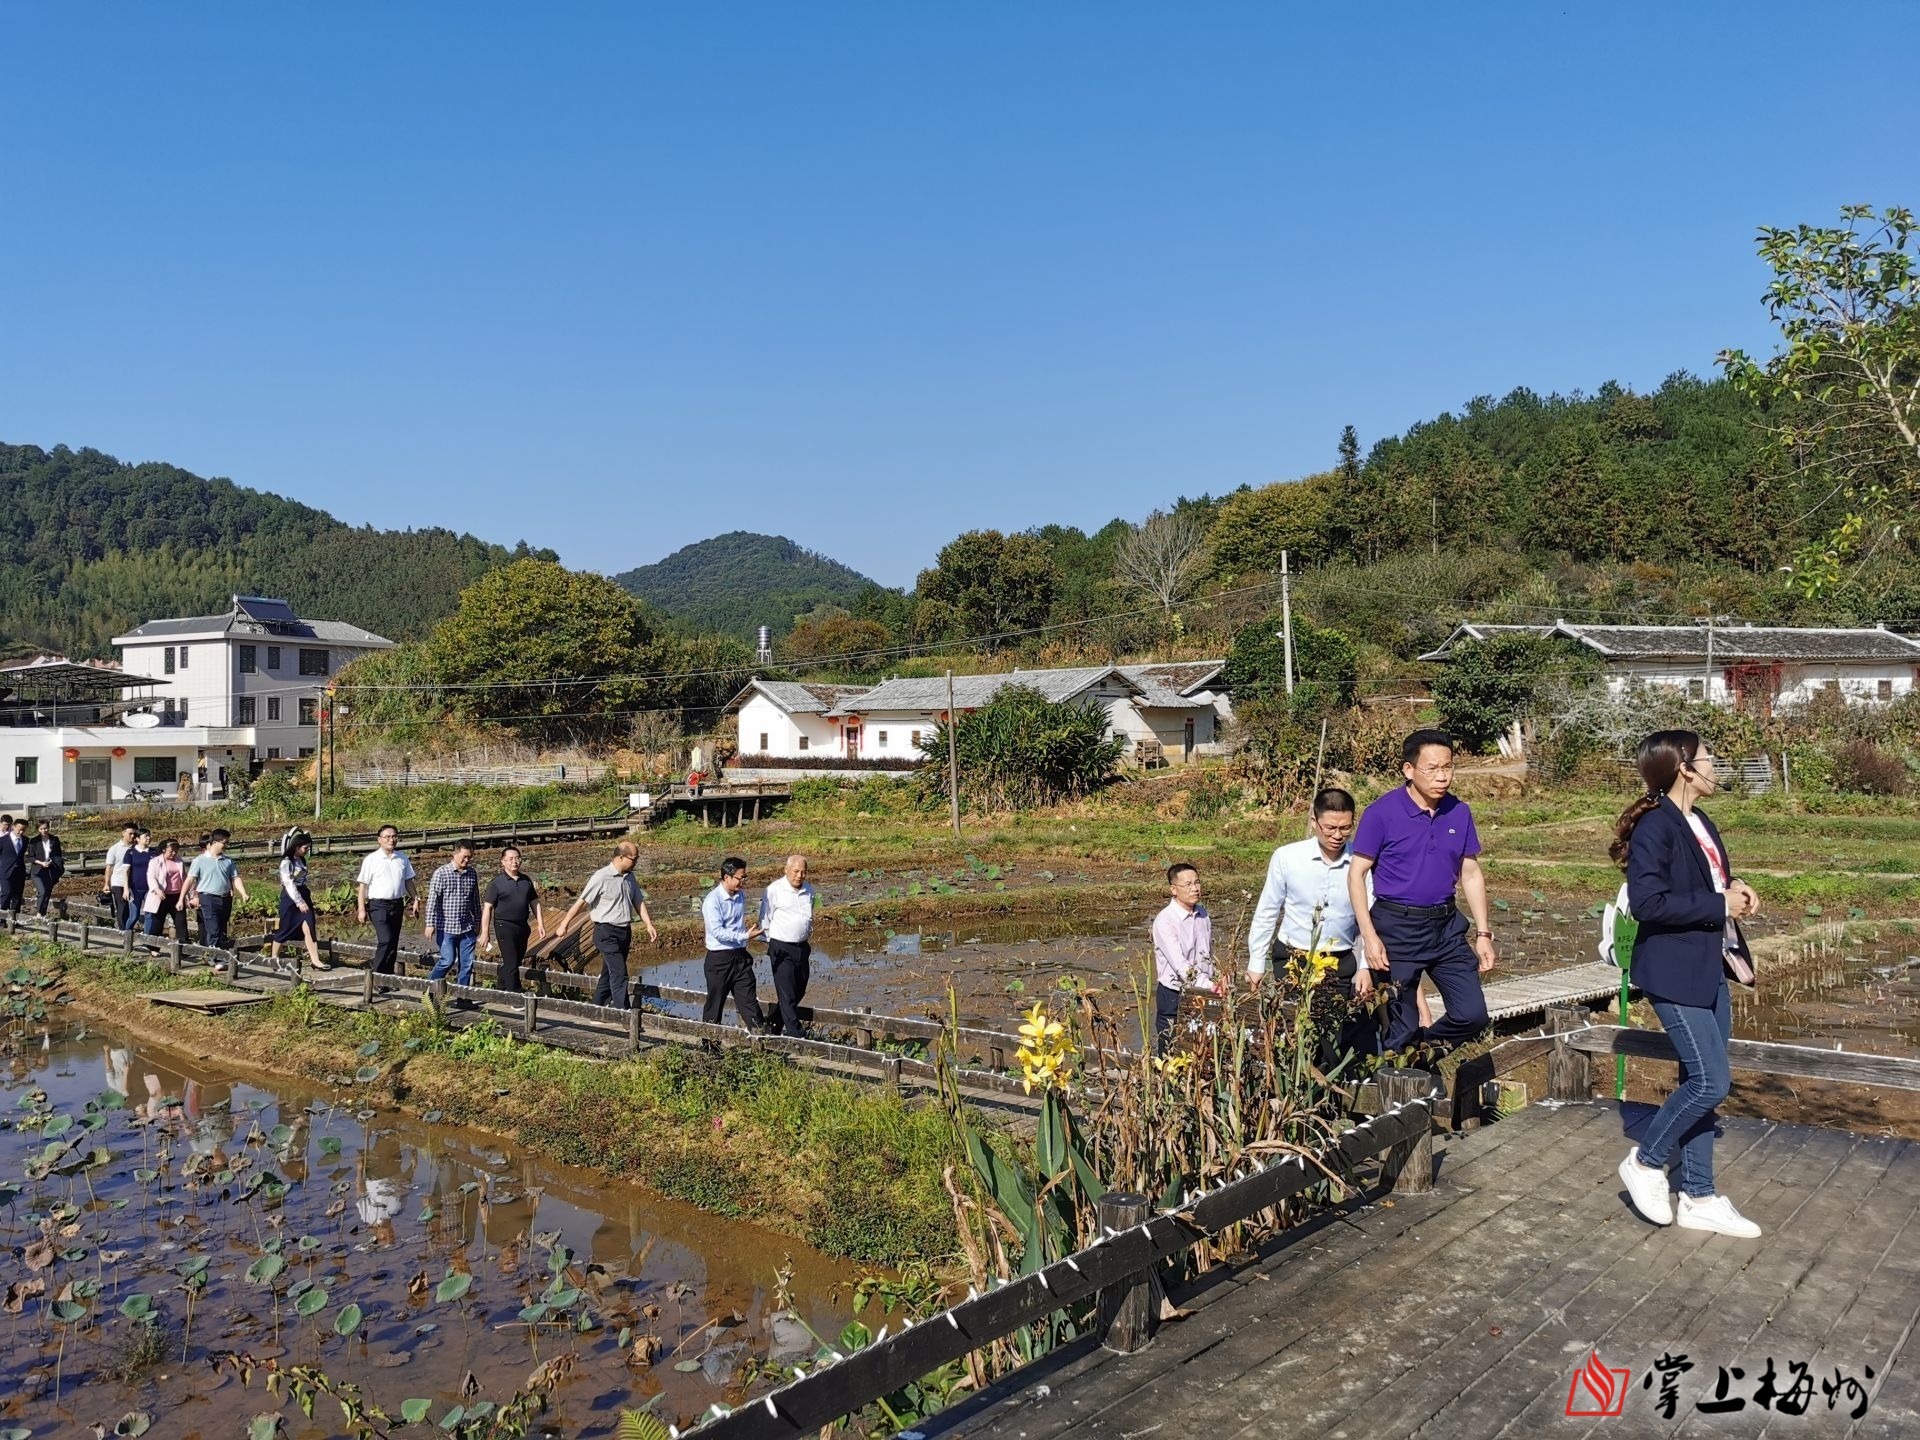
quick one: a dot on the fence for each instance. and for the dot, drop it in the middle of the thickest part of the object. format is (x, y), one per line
(380, 777)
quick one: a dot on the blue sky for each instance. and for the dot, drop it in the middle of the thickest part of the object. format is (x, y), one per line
(615, 278)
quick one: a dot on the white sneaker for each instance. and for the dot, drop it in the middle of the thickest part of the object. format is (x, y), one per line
(1646, 1188)
(1716, 1214)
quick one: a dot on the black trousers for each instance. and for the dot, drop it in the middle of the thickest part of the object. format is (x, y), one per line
(16, 889)
(1429, 940)
(791, 971)
(44, 881)
(215, 912)
(511, 937)
(118, 900)
(730, 972)
(387, 916)
(613, 942)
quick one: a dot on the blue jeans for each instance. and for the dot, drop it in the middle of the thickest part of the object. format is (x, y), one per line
(454, 947)
(1687, 1119)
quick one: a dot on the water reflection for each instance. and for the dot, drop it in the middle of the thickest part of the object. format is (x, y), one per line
(377, 1210)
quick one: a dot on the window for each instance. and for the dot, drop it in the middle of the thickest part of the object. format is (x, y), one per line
(183, 657)
(882, 741)
(245, 709)
(313, 662)
(803, 742)
(763, 740)
(914, 736)
(1696, 689)
(26, 770)
(247, 658)
(273, 707)
(166, 712)
(273, 752)
(309, 712)
(155, 769)
(1885, 690)
(166, 662)
(305, 751)
(183, 709)
(273, 657)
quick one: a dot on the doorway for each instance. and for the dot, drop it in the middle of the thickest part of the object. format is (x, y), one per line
(1186, 740)
(853, 740)
(94, 781)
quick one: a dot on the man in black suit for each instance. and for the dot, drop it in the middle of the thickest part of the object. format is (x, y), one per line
(47, 862)
(13, 865)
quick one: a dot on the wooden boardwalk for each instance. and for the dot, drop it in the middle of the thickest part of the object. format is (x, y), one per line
(1530, 994)
(1465, 1312)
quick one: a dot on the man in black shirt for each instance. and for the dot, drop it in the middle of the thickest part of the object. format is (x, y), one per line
(509, 912)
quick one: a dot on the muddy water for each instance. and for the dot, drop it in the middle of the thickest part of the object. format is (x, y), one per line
(1863, 994)
(377, 1211)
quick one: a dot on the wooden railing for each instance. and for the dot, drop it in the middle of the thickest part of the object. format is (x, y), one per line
(1118, 1269)
(1569, 1072)
(521, 832)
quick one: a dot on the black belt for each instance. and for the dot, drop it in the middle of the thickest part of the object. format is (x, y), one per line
(1400, 907)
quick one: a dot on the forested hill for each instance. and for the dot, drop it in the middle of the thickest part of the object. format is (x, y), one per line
(739, 581)
(94, 547)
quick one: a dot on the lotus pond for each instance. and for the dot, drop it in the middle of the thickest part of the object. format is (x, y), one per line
(157, 1216)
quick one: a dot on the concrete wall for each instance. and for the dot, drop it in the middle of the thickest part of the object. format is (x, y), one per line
(57, 781)
(1861, 683)
(760, 716)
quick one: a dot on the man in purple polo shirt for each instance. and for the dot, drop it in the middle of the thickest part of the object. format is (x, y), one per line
(1417, 842)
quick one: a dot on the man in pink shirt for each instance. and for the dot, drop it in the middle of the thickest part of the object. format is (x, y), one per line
(1182, 949)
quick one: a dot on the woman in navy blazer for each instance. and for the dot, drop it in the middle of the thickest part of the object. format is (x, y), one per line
(1681, 891)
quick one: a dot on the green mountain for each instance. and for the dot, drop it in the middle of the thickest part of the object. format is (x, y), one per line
(94, 547)
(739, 581)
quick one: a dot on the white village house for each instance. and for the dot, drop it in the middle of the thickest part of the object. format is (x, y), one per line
(1765, 665)
(227, 690)
(1174, 707)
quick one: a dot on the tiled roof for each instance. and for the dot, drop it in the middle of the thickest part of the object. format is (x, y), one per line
(970, 692)
(1170, 686)
(1731, 643)
(799, 697)
(336, 632)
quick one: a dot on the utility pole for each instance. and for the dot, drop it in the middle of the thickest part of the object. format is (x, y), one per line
(1709, 690)
(1286, 617)
(953, 758)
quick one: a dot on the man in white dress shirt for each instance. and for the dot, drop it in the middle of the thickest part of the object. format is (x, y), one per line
(786, 915)
(385, 888)
(1305, 906)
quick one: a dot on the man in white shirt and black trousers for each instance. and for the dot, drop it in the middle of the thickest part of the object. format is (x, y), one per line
(786, 917)
(385, 886)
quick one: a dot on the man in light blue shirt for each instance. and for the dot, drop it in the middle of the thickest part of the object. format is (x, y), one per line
(729, 965)
(1305, 905)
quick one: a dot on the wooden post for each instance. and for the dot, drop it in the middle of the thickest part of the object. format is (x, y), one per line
(863, 1035)
(1130, 1307)
(86, 936)
(890, 1068)
(633, 1027)
(529, 1008)
(173, 955)
(366, 987)
(1408, 1166)
(1569, 1072)
(53, 931)
(126, 943)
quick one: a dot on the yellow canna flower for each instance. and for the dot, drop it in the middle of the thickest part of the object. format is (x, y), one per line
(1047, 1049)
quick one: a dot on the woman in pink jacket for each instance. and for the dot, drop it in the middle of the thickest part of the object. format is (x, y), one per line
(166, 877)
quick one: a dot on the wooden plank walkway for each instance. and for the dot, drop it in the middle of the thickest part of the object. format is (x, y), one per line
(1533, 994)
(1465, 1312)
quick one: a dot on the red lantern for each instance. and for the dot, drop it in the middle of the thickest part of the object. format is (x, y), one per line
(71, 753)
(119, 752)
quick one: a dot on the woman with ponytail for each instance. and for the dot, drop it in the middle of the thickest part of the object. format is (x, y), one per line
(1683, 896)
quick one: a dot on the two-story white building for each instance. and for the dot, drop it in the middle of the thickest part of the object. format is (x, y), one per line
(87, 734)
(259, 667)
